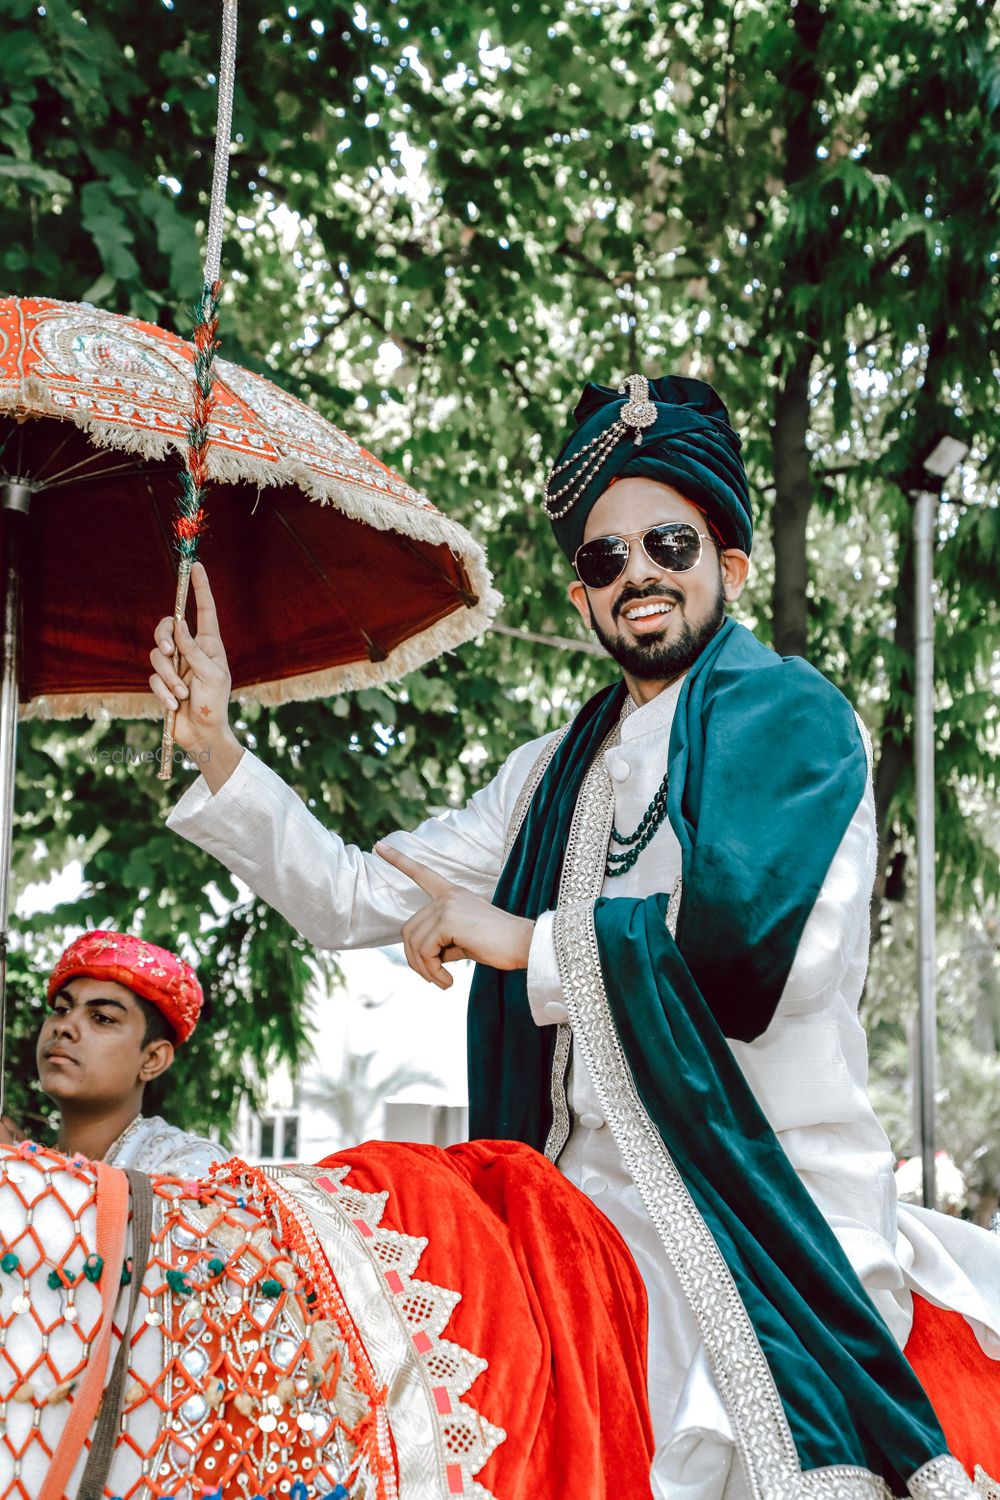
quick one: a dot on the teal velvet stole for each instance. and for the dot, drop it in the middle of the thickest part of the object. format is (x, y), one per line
(848, 1393)
(766, 769)
(510, 1058)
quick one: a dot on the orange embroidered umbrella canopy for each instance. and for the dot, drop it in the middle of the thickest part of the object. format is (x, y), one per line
(331, 571)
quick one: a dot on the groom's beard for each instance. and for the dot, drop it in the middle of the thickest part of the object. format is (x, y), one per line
(653, 659)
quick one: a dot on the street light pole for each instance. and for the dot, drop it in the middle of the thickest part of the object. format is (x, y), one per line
(923, 527)
(943, 457)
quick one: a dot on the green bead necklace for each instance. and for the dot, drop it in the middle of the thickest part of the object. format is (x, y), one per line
(634, 843)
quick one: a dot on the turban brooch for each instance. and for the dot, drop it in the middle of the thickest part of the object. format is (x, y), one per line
(673, 430)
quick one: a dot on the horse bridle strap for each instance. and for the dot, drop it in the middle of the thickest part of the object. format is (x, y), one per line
(102, 1445)
(113, 1190)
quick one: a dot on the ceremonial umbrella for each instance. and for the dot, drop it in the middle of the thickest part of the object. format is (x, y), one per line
(330, 571)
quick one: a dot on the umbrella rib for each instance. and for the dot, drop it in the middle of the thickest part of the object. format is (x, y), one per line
(10, 433)
(81, 464)
(468, 598)
(162, 528)
(375, 652)
(97, 456)
(66, 484)
(51, 457)
(41, 481)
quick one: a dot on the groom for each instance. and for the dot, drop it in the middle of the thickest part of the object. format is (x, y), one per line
(667, 901)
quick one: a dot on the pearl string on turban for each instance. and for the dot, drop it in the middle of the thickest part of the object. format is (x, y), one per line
(674, 430)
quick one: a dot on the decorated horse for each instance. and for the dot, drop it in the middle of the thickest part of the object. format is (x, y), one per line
(396, 1322)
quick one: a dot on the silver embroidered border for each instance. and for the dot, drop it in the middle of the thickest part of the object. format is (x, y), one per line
(674, 906)
(559, 1129)
(558, 1134)
(985, 1485)
(576, 883)
(941, 1479)
(763, 1437)
(841, 1482)
(530, 787)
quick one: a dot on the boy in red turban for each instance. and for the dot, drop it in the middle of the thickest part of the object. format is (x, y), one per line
(118, 1008)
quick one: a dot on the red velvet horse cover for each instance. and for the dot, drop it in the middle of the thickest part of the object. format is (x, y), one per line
(550, 1296)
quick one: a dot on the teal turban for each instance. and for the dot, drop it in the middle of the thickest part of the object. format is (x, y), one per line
(672, 429)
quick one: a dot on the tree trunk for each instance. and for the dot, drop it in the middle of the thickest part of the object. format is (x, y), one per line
(803, 131)
(792, 502)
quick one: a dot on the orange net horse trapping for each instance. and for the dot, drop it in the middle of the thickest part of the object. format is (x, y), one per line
(246, 1376)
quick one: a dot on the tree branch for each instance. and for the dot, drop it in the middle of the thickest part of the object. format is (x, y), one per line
(511, 372)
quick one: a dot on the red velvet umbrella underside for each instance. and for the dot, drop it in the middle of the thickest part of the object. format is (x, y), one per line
(300, 587)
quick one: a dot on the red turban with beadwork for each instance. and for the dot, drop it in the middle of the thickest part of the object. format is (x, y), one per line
(159, 976)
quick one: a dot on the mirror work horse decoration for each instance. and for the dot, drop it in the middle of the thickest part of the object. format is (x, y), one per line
(264, 1334)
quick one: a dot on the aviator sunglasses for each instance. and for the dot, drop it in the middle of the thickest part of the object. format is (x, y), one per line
(675, 547)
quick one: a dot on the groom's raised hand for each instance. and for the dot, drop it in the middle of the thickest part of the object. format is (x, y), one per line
(198, 686)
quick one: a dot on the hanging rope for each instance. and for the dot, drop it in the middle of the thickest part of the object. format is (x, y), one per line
(189, 522)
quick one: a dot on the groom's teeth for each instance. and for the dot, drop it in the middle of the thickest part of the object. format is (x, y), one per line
(648, 609)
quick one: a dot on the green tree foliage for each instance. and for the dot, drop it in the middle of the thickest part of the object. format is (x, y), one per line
(442, 221)
(968, 1096)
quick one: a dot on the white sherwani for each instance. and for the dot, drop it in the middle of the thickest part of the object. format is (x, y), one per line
(808, 1070)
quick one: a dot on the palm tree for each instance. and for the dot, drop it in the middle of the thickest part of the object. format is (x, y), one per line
(352, 1099)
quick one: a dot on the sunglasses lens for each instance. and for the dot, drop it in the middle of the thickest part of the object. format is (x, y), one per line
(600, 562)
(676, 548)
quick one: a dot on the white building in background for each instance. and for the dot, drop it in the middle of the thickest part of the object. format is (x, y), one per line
(404, 1026)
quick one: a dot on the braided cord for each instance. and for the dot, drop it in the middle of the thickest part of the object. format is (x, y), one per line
(223, 136)
(189, 521)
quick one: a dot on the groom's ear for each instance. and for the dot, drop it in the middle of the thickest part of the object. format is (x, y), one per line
(735, 566)
(577, 595)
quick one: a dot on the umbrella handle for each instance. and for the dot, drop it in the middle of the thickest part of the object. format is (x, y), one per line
(167, 741)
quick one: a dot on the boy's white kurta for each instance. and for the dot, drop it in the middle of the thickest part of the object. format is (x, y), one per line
(150, 1145)
(808, 1070)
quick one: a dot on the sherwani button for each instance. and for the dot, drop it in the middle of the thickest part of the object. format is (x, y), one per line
(555, 1011)
(594, 1185)
(619, 770)
(591, 1121)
